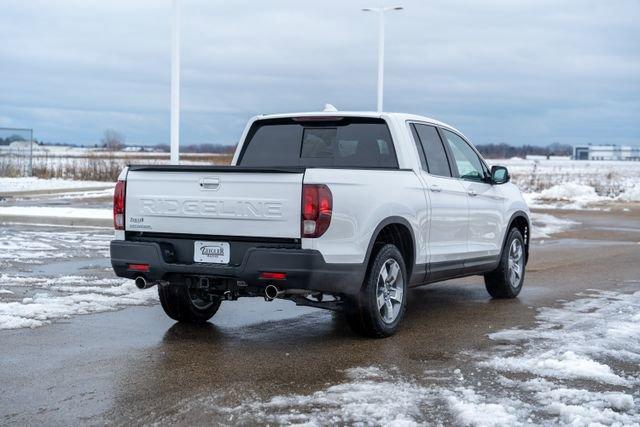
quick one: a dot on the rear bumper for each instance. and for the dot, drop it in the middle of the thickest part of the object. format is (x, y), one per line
(305, 269)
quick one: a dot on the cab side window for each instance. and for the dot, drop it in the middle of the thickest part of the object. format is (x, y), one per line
(470, 167)
(435, 156)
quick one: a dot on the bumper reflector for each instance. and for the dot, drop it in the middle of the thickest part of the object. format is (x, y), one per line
(269, 275)
(138, 267)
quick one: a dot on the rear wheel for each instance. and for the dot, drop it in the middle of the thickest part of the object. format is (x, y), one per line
(186, 304)
(379, 307)
(506, 280)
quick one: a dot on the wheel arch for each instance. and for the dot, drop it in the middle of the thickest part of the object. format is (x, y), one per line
(521, 221)
(395, 229)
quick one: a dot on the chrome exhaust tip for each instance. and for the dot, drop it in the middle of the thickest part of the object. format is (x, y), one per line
(141, 283)
(271, 292)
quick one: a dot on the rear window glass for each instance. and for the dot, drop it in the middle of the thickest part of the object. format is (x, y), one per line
(344, 142)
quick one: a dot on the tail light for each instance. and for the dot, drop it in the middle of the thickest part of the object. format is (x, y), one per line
(317, 206)
(118, 205)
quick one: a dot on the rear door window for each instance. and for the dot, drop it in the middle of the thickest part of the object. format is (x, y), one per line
(434, 153)
(336, 142)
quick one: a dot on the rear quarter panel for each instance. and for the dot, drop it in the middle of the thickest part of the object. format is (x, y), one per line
(362, 199)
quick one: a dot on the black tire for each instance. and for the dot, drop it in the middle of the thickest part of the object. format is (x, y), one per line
(363, 313)
(499, 282)
(179, 304)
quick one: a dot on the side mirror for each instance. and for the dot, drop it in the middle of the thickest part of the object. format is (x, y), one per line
(499, 175)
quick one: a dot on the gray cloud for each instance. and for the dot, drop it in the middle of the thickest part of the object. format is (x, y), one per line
(501, 71)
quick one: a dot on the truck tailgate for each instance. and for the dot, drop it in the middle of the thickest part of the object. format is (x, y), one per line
(215, 203)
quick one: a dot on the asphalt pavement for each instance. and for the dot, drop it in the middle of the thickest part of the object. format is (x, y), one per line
(136, 366)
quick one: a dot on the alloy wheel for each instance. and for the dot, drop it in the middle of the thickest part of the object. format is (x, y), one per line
(390, 290)
(516, 263)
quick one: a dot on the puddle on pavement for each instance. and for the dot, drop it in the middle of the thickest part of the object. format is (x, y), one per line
(255, 310)
(70, 267)
(541, 243)
(622, 229)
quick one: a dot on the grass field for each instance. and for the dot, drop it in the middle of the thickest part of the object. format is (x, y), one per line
(94, 166)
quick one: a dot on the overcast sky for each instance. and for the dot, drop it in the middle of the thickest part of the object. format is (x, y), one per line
(521, 72)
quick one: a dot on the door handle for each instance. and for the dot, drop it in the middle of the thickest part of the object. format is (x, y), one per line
(472, 193)
(435, 188)
(210, 183)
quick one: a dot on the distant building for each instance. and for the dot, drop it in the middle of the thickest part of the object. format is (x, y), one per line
(606, 152)
(132, 148)
(547, 157)
(20, 145)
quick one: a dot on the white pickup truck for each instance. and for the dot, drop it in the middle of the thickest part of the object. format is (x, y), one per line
(336, 210)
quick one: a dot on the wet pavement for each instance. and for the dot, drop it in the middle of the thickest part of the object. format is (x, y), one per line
(137, 366)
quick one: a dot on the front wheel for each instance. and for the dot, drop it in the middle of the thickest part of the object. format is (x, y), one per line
(186, 304)
(379, 307)
(506, 280)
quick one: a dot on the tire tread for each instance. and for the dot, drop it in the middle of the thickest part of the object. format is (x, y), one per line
(362, 312)
(176, 303)
(497, 281)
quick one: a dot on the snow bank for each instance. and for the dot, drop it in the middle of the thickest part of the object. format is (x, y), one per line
(568, 195)
(631, 194)
(544, 225)
(570, 191)
(13, 185)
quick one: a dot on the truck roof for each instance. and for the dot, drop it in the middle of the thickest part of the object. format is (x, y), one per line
(373, 114)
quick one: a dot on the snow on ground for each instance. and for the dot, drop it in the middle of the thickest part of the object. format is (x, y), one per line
(579, 365)
(74, 196)
(37, 245)
(544, 225)
(74, 295)
(106, 193)
(379, 397)
(600, 326)
(12, 185)
(35, 292)
(56, 212)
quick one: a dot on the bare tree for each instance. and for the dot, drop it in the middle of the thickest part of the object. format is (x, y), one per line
(112, 140)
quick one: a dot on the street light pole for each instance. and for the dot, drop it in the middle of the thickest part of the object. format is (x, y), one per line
(175, 83)
(31, 152)
(381, 11)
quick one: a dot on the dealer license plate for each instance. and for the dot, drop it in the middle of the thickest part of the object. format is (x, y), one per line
(211, 252)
